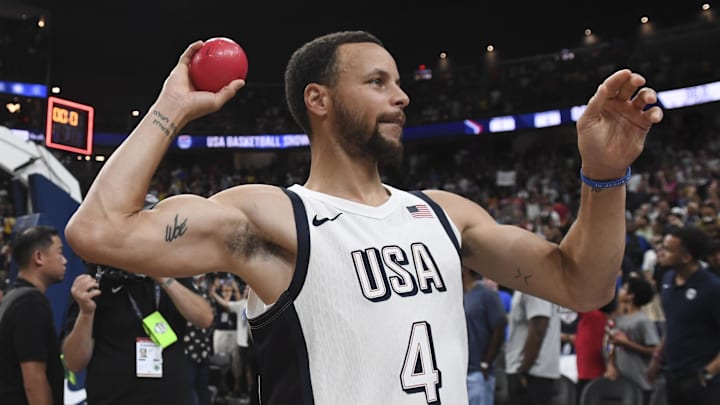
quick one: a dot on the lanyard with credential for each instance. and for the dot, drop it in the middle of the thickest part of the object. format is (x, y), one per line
(156, 327)
(135, 305)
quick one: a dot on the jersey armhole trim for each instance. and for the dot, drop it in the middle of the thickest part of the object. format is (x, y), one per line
(444, 220)
(302, 230)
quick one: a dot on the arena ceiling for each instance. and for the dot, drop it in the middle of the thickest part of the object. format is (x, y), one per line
(101, 51)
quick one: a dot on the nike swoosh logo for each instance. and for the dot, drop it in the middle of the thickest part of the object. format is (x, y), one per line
(116, 289)
(318, 222)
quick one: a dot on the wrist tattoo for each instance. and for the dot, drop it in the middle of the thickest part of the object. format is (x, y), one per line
(163, 122)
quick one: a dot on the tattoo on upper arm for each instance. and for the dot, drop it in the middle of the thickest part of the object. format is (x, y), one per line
(525, 277)
(176, 230)
(164, 123)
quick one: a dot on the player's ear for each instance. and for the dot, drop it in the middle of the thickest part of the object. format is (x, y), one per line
(316, 99)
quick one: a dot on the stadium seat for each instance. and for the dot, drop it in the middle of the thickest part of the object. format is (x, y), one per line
(659, 394)
(606, 392)
(501, 386)
(501, 381)
(218, 374)
(564, 392)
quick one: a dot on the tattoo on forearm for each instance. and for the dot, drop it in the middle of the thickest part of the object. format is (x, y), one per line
(176, 230)
(163, 122)
(525, 277)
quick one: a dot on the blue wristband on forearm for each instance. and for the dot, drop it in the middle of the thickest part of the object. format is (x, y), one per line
(599, 185)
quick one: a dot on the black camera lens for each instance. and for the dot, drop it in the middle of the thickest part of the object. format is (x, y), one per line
(114, 276)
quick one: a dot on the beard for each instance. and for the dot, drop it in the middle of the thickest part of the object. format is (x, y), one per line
(362, 142)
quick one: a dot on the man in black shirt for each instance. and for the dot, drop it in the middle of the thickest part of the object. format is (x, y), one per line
(690, 349)
(31, 370)
(105, 333)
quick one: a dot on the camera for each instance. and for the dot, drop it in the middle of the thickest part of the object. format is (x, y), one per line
(114, 276)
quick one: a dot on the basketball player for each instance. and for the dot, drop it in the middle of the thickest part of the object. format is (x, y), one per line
(357, 292)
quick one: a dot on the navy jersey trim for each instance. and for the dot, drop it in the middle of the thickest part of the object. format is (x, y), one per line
(441, 216)
(302, 230)
(283, 359)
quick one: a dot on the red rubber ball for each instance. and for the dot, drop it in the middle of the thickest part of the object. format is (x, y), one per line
(217, 63)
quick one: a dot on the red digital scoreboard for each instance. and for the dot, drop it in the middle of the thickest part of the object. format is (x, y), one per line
(69, 126)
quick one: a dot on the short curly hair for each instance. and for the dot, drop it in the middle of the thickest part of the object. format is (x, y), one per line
(316, 62)
(641, 290)
(694, 240)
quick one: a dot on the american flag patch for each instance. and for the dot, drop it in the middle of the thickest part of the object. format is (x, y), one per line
(420, 211)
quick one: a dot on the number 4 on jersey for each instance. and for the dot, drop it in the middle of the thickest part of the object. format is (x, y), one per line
(420, 372)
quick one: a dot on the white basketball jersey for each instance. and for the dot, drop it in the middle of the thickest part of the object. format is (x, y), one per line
(374, 313)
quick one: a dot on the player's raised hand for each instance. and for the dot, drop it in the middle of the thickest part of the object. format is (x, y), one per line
(613, 128)
(180, 91)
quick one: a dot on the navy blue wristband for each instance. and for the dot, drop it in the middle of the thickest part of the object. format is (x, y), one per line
(599, 185)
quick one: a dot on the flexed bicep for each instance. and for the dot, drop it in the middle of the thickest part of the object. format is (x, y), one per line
(182, 235)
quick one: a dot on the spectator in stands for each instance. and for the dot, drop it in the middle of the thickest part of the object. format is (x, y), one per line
(635, 338)
(199, 349)
(675, 219)
(343, 89)
(690, 348)
(226, 327)
(709, 220)
(243, 362)
(692, 212)
(653, 272)
(532, 352)
(486, 320)
(713, 257)
(635, 246)
(505, 295)
(31, 371)
(643, 226)
(588, 341)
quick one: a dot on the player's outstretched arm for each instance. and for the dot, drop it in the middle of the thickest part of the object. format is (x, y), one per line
(611, 135)
(511, 255)
(581, 272)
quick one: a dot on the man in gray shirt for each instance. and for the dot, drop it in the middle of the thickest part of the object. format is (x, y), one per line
(533, 350)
